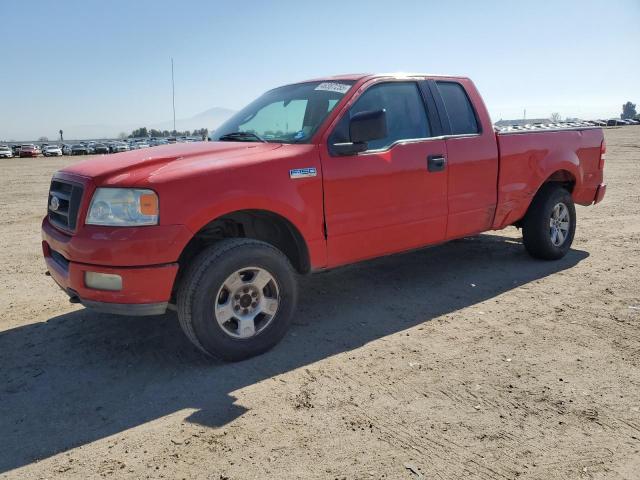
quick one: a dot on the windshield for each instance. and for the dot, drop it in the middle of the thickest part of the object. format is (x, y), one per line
(289, 114)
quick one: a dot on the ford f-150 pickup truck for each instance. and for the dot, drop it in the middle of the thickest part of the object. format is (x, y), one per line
(307, 177)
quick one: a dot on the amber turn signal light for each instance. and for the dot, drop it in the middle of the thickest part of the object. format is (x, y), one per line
(149, 204)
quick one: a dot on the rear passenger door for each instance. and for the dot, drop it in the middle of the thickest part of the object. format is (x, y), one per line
(472, 157)
(386, 199)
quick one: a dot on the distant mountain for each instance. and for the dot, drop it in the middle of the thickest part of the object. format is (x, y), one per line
(210, 119)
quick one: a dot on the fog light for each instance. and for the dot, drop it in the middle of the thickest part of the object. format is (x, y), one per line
(103, 281)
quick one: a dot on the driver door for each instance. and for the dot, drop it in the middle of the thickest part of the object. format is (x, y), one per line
(390, 197)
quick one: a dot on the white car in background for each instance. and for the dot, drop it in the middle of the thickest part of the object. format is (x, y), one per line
(5, 151)
(117, 147)
(52, 151)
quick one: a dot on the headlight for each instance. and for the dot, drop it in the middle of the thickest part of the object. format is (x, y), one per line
(123, 207)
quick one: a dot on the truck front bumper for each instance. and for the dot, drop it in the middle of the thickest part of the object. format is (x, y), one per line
(140, 290)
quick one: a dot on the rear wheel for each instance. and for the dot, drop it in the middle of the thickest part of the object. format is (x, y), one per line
(550, 223)
(237, 298)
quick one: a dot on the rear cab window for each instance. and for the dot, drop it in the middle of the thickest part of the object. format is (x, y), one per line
(462, 116)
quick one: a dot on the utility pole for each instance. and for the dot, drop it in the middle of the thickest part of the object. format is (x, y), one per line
(525, 114)
(173, 96)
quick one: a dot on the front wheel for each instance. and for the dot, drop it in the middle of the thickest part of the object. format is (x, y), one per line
(237, 298)
(550, 223)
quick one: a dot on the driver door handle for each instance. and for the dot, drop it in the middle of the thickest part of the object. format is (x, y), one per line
(436, 163)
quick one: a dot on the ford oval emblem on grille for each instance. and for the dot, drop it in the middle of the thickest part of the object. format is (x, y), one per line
(55, 204)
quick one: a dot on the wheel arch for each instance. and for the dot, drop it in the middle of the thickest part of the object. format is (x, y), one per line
(561, 176)
(259, 224)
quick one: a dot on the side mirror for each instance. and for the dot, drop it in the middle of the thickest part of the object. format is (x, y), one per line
(367, 126)
(363, 127)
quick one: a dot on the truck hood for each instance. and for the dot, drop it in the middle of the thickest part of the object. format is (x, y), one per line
(140, 166)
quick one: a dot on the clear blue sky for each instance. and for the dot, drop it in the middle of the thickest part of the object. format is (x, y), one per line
(84, 62)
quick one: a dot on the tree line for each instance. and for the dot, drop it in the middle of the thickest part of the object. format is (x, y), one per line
(143, 132)
(629, 111)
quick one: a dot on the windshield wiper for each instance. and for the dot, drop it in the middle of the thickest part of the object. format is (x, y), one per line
(241, 137)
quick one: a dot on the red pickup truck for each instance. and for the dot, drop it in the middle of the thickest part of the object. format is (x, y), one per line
(307, 177)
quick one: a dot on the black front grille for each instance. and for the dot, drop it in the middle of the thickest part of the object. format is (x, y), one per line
(64, 203)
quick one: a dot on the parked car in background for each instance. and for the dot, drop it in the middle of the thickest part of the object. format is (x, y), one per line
(120, 147)
(612, 122)
(100, 148)
(29, 150)
(5, 151)
(631, 121)
(16, 150)
(52, 151)
(66, 149)
(79, 149)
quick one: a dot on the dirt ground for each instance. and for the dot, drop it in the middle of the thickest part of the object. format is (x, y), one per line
(467, 360)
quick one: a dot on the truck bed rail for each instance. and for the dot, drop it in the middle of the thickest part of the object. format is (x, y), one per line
(544, 127)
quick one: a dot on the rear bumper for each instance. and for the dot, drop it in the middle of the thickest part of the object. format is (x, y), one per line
(600, 192)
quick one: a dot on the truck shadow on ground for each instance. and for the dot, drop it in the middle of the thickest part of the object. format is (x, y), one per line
(83, 376)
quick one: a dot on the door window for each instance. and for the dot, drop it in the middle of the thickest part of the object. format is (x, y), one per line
(405, 111)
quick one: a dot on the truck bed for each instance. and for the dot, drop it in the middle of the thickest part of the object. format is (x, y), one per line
(529, 155)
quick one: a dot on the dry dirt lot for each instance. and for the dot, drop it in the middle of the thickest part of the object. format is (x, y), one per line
(467, 360)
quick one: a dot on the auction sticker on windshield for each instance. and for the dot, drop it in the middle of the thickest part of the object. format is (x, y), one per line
(333, 87)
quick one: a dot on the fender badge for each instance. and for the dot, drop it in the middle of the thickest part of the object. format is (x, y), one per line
(303, 172)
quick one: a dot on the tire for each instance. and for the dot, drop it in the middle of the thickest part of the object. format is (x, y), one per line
(544, 231)
(216, 283)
